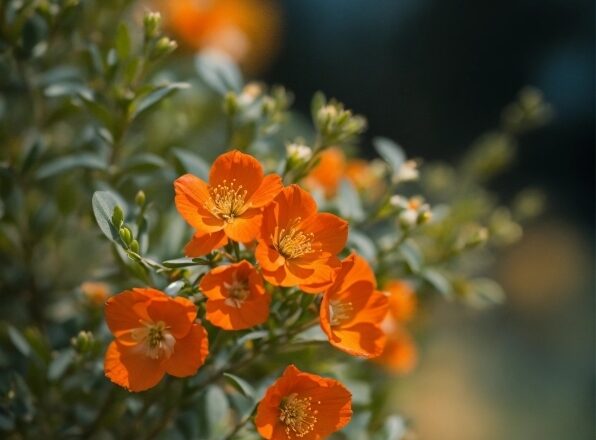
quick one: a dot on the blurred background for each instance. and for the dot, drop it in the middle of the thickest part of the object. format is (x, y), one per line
(434, 75)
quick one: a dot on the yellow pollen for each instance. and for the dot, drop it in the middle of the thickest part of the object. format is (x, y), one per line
(340, 311)
(238, 291)
(227, 200)
(294, 243)
(154, 339)
(297, 414)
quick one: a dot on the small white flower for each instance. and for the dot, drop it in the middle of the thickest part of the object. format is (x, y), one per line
(299, 152)
(399, 201)
(408, 171)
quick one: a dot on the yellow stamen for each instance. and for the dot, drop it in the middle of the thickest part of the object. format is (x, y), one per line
(298, 415)
(154, 340)
(238, 291)
(340, 311)
(294, 243)
(227, 200)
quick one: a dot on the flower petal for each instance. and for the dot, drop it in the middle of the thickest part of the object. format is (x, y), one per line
(174, 314)
(239, 167)
(192, 195)
(202, 243)
(189, 354)
(269, 189)
(131, 369)
(246, 227)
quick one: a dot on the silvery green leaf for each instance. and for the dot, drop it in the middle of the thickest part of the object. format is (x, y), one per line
(218, 72)
(392, 153)
(66, 163)
(192, 163)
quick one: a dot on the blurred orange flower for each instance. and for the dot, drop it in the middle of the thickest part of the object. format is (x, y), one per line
(327, 174)
(229, 206)
(95, 292)
(352, 311)
(400, 355)
(155, 334)
(236, 297)
(302, 405)
(366, 176)
(298, 246)
(247, 30)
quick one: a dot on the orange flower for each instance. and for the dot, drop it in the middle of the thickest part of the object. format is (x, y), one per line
(352, 311)
(247, 30)
(303, 406)
(298, 246)
(402, 300)
(236, 297)
(155, 334)
(328, 173)
(95, 292)
(400, 355)
(366, 176)
(229, 206)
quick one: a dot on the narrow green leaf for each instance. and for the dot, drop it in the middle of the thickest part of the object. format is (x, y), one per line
(60, 364)
(241, 385)
(19, 341)
(104, 203)
(219, 72)
(152, 99)
(412, 255)
(192, 163)
(438, 281)
(67, 163)
(143, 162)
(390, 152)
(348, 202)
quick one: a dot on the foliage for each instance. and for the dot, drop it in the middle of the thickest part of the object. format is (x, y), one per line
(99, 116)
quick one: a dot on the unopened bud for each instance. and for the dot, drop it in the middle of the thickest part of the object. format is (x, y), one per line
(125, 234)
(117, 216)
(134, 246)
(83, 342)
(140, 198)
(424, 217)
(164, 46)
(298, 152)
(152, 24)
(230, 104)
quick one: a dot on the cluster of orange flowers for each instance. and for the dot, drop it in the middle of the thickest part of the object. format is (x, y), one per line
(296, 246)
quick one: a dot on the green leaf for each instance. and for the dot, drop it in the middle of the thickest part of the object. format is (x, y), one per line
(31, 155)
(99, 111)
(143, 162)
(104, 203)
(348, 201)
(123, 43)
(363, 244)
(192, 163)
(63, 164)
(219, 72)
(19, 341)
(437, 280)
(152, 99)
(173, 288)
(185, 262)
(390, 152)
(60, 364)
(394, 428)
(487, 292)
(241, 385)
(411, 254)
(216, 412)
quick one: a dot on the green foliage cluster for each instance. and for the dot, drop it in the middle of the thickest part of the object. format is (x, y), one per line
(98, 115)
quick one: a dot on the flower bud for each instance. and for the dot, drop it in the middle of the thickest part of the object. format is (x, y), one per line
(298, 153)
(117, 216)
(140, 198)
(230, 104)
(84, 342)
(164, 46)
(408, 171)
(152, 24)
(134, 246)
(125, 234)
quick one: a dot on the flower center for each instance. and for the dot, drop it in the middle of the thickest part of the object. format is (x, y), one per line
(340, 312)
(154, 340)
(294, 243)
(227, 200)
(296, 413)
(238, 291)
